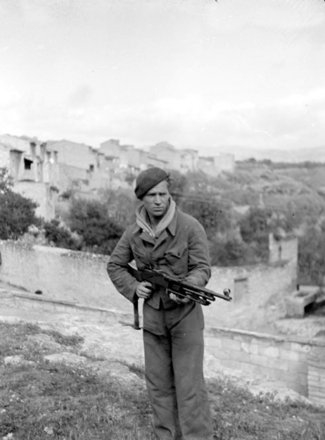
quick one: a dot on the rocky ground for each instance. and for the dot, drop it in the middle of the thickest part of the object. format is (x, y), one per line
(110, 339)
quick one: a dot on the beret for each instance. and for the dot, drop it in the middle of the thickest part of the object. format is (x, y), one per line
(147, 179)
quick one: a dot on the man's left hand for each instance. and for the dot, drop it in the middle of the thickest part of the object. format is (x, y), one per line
(178, 299)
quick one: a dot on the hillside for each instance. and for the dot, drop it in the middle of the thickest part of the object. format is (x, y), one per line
(313, 154)
(299, 190)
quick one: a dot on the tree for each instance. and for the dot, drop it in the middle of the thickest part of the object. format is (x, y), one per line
(120, 205)
(90, 219)
(61, 236)
(211, 213)
(177, 185)
(255, 225)
(311, 256)
(5, 180)
(17, 213)
(255, 229)
(227, 251)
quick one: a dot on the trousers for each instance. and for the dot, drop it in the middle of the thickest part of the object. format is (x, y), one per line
(174, 373)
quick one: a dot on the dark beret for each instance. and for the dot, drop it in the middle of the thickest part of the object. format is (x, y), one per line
(147, 179)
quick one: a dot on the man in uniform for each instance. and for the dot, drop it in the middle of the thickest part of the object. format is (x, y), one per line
(166, 239)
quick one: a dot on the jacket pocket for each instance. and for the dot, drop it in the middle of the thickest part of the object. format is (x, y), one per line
(141, 257)
(177, 260)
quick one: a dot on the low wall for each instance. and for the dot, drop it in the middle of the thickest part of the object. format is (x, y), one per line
(78, 278)
(252, 287)
(81, 278)
(60, 274)
(298, 363)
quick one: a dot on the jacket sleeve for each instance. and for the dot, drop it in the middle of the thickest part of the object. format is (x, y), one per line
(117, 270)
(199, 270)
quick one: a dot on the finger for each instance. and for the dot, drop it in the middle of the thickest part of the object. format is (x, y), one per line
(174, 297)
(178, 299)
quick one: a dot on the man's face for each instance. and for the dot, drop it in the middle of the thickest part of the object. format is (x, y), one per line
(156, 200)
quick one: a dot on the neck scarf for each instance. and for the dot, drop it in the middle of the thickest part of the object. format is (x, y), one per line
(143, 222)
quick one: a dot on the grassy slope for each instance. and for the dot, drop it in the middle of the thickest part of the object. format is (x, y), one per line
(299, 193)
(40, 400)
(275, 184)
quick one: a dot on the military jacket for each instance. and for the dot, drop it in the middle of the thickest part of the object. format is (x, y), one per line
(181, 250)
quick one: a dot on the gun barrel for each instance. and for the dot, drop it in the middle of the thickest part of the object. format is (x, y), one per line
(209, 294)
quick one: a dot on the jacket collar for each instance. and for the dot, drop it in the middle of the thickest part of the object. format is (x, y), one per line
(171, 227)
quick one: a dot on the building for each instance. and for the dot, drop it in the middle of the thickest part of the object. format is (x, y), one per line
(180, 160)
(165, 155)
(214, 165)
(75, 163)
(188, 160)
(42, 170)
(131, 160)
(33, 169)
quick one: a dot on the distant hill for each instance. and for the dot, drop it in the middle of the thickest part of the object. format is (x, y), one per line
(312, 154)
(299, 190)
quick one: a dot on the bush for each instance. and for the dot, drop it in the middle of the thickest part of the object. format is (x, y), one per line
(311, 256)
(254, 229)
(120, 205)
(227, 252)
(60, 236)
(213, 215)
(90, 219)
(17, 213)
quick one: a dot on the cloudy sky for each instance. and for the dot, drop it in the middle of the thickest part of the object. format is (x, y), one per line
(204, 74)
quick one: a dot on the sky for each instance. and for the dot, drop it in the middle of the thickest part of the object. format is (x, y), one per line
(203, 74)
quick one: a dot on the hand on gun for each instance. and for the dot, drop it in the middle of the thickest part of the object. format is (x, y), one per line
(144, 290)
(178, 299)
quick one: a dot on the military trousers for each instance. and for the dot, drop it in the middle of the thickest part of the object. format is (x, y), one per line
(174, 349)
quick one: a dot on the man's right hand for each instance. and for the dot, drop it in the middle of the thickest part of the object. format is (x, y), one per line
(144, 290)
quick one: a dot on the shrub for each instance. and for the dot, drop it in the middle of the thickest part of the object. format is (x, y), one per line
(17, 213)
(255, 228)
(61, 236)
(120, 205)
(311, 256)
(212, 214)
(90, 219)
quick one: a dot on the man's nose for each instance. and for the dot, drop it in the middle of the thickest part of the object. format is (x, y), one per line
(157, 199)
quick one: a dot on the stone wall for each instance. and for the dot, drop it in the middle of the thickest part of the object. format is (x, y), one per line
(253, 288)
(61, 275)
(81, 277)
(291, 361)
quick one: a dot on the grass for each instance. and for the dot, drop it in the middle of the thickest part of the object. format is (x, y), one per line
(41, 400)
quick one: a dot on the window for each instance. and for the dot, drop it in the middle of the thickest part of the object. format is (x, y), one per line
(28, 164)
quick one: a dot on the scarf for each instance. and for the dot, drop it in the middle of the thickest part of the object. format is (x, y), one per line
(143, 222)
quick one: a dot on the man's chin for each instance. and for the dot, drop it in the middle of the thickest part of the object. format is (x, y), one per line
(158, 212)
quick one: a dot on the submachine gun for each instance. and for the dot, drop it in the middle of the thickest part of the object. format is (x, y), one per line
(182, 289)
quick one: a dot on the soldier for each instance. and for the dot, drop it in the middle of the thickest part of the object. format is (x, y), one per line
(165, 238)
